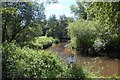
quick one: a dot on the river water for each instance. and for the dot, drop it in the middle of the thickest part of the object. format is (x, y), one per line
(106, 66)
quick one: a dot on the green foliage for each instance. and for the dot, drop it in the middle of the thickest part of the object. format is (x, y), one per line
(56, 28)
(12, 18)
(52, 27)
(43, 42)
(70, 19)
(25, 62)
(98, 44)
(79, 10)
(75, 72)
(90, 37)
(28, 63)
(28, 34)
(107, 14)
(112, 47)
(82, 34)
(17, 16)
(63, 23)
(115, 77)
(103, 31)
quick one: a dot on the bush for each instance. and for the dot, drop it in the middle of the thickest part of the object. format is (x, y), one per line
(113, 43)
(82, 34)
(75, 72)
(99, 44)
(42, 42)
(107, 40)
(28, 63)
(94, 38)
(112, 47)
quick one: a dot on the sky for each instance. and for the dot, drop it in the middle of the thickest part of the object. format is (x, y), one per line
(60, 8)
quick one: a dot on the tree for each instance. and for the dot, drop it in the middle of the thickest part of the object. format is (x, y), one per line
(108, 15)
(82, 35)
(52, 27)
(35, 28)
(17, 16)
(63, 23)
(70, 19)
(57, 27)
(14, 20)
(79, 10)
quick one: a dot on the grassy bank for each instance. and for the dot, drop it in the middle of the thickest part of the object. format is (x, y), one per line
(42, 42)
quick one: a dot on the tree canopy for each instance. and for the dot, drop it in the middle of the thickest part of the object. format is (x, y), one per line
(17, 16)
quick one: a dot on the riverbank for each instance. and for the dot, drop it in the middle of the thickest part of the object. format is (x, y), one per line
(106, 66)
(30, 63)
(42, 42)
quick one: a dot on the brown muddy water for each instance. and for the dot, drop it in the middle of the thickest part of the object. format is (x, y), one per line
(106, 66)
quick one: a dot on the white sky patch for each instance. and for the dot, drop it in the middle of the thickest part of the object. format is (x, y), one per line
(56, 7)
(59, 8)
(66, 0)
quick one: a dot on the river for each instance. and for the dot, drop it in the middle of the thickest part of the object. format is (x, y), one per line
(106, 66)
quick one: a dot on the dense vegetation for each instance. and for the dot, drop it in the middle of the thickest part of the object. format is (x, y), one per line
(100, 32)
(82, 34)
(55, 27)
(24, 29)
(19, 21)
(28, 63)
(42, 42)
(26, 32)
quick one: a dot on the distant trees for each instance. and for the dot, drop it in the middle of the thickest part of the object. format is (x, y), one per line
(57, 27)
(52, 27)
(63, 23)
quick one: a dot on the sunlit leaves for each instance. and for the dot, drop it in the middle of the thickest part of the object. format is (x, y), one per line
(106, 13)
(17, 16)
(29, 63)
(82, 34)
(43, 42)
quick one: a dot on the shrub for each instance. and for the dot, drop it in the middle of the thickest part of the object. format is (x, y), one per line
(113, 43)
(107, 40)
(82, 34)
(99, 44)
(94, 38)
(112, 47)
(28, 63)
(75, 72)
(42, 42)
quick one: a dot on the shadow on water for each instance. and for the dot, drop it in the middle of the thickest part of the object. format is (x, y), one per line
(108, 67)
